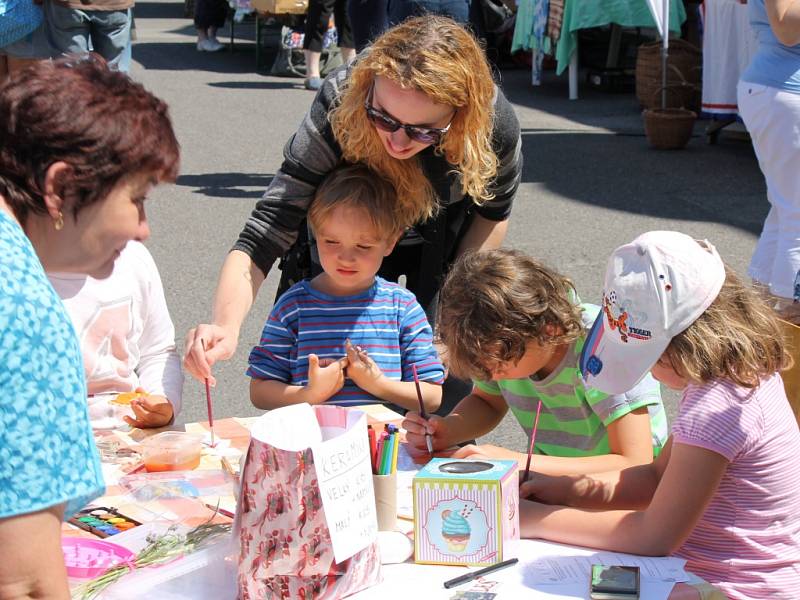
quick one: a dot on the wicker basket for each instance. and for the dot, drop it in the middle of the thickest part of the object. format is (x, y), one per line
(668, 128)
(684, 68)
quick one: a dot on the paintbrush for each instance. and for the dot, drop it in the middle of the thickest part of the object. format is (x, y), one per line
(422, 413)
(208, 406)
(530, 444)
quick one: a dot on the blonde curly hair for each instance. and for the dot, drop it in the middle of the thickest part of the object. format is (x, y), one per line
(438, 57)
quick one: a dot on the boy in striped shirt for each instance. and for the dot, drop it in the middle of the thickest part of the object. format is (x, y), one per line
(347, 336)
(517, 329)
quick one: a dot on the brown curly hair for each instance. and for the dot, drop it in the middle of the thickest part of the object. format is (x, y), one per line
(440, 58)
(496, 302)
(738, 338)
(98, 121)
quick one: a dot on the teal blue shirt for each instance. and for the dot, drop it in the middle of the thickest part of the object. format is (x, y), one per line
(773, 64)
(47, 451)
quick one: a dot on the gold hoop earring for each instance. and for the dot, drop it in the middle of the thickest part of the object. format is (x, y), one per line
(59, 222)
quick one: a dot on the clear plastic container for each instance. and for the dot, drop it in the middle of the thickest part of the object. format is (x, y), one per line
(171, 451)
(206, 573)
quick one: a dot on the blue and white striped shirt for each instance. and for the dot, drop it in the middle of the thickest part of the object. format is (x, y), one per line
(386, 321)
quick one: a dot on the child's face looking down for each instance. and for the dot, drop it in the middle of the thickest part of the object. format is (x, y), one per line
(539, 359)
(664, 373)
(351, 251)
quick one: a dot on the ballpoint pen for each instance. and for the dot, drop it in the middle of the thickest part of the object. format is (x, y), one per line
(467, 577)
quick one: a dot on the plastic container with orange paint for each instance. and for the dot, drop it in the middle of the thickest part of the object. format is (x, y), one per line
(171, 451)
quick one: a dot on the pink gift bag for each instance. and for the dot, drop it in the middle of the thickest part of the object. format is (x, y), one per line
(285, 542)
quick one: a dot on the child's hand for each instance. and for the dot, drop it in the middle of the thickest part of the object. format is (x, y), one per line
(550, 489)
(150, 411)
(474, 451)
(416, 427)
(325, 378)
(361, 369)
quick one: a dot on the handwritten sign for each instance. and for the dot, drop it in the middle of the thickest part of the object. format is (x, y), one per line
(342, 462)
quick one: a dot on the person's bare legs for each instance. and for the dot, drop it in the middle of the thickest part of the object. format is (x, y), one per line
(207, 39)
(212, 34)
(202, 39)
(313, 60)
(348, 54)
(312, 63)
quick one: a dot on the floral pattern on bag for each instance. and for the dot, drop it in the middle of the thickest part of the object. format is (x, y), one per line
(285, 544)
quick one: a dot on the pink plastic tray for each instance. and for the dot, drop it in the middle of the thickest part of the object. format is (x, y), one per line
(86, 559)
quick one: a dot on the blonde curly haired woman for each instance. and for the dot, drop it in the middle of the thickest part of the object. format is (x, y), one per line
(420, 107)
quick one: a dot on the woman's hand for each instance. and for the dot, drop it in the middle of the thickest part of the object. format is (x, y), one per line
(325, 378)
(205, 345)
(150, 411)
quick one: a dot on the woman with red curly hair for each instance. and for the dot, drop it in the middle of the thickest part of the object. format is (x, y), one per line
(419, 107)
(80, 147)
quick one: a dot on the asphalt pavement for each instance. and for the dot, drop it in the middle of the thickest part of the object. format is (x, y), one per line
(590, 182)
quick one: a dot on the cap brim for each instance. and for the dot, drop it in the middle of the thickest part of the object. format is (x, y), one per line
(613, 363)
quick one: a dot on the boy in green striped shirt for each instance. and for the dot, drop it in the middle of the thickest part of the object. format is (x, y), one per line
(517, 329)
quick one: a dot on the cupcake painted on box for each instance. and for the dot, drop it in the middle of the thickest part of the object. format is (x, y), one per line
(464, 510)
(456, 530)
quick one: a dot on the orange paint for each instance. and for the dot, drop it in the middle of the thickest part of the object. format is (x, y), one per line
(162, 462)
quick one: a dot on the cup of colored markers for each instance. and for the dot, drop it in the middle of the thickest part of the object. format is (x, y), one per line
(384, 475)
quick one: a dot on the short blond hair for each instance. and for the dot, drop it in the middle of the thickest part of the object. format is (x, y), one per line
(496, 302)
(738, 338)
(357, 186)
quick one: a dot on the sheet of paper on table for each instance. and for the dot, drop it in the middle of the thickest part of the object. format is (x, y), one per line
(564, 570)
(530, 578)
(557, 564)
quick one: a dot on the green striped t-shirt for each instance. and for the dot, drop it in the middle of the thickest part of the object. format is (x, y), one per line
(574, 416)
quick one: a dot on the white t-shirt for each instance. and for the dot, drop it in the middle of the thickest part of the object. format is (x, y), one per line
(126, 334)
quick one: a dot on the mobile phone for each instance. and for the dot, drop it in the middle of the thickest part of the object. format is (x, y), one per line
(614, 583)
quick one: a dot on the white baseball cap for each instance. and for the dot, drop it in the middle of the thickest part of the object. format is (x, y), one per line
(655, 287)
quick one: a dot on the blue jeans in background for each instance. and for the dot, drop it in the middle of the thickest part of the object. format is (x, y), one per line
(75, 31)
(368, 19)
(399, 10)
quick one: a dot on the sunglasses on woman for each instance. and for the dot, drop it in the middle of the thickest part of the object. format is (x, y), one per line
(382, 121)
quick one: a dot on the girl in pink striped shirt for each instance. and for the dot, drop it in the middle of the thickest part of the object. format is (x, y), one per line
(725, 491)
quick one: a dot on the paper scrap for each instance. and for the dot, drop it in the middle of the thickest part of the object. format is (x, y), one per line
(344, 474)
(280, 428)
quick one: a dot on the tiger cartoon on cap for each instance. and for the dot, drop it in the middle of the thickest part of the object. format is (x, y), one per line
(616, 322)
